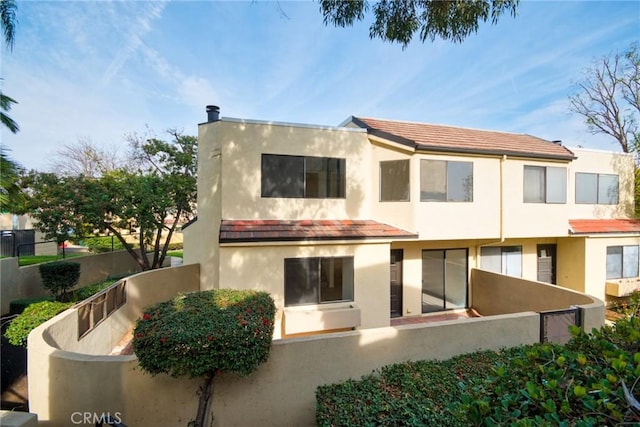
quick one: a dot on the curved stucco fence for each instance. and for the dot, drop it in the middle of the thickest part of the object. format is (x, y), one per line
(493, 293)
(25, 282)
(65, 383)
(72, 378)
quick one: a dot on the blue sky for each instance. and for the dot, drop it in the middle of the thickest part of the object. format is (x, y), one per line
(100, 70)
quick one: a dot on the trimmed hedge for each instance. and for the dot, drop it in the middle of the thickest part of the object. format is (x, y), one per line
(103, 244)
(59, 276)
(579, 384)
(17, 306)
(206, 332)
(90, 290)
(404, 394)
(33, 311)
(33, 316)
(176, 246)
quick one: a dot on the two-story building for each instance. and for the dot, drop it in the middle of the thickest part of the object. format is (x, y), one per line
(353, 225)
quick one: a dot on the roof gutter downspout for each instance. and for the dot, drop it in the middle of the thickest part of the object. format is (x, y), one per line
(502, 162)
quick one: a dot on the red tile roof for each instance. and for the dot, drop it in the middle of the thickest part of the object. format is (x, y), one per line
(428, 137)
(596, 226)
(233, 231)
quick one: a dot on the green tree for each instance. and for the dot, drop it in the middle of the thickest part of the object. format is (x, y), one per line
(8, 23)
(153, 197)
(399, 21)
(203, 334)
(11, 197)
(609, 97)
(5, 106)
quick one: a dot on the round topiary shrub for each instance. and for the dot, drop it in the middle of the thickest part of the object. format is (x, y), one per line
(59, 277)
(201, 334)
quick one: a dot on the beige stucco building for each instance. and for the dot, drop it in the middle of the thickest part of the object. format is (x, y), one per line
(351, 226)
(365, 229)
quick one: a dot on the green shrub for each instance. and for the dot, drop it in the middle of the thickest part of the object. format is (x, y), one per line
(33, 316)
(59, 277)
(103, 244)
(405, 394)
(90, 290)
(202, 334)
(579, 384)
(209, 331)
(628, 306)
(17, 306)
(176, 246)
(32, 313)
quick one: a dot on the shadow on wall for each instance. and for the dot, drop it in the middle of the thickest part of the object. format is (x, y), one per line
(624, 166)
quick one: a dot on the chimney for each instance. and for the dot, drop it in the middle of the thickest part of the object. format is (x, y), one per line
(557, 141)
(213, 113)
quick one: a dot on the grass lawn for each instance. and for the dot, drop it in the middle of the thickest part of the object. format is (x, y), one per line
(37, 259)
(177, 254)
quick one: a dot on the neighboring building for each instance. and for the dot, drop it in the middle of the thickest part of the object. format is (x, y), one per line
(350, 226)
(19, 237)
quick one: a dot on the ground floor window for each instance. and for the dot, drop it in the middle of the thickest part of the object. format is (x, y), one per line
(502, 259)
(318, 280)
(444, 279)
(622, 261)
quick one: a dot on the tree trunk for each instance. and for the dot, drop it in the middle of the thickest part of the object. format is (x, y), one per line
(136, 256)
(205, 392)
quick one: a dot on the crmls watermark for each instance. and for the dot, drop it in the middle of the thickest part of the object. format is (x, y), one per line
(94, 418)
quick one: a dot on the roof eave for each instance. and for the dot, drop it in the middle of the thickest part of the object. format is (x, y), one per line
(437, 148)
(603, 233)
(315, 239)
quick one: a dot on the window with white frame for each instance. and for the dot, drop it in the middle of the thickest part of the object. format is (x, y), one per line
(622, 261)
(317, 280)
(545, 184)
(303, 177)
(394, 181)
(446, 181)
(502, 259)
(597, 188)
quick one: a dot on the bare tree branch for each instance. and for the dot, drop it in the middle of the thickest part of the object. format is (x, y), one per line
(85, 158)
(608, 97)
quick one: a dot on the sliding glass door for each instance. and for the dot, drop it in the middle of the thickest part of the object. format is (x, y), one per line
(444, 279)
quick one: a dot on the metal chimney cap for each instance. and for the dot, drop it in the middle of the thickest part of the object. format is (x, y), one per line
(213, 113)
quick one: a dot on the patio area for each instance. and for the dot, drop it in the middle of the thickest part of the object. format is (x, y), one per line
(435, 317)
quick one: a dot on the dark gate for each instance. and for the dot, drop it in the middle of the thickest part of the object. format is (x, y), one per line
(554, 324)
(10, 240)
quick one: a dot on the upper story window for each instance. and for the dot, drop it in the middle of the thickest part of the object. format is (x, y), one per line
(545, 184)
(394, 181)
(317, 280)
(622, 261)
(304, 177)
(446, 181)
(594, 188)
